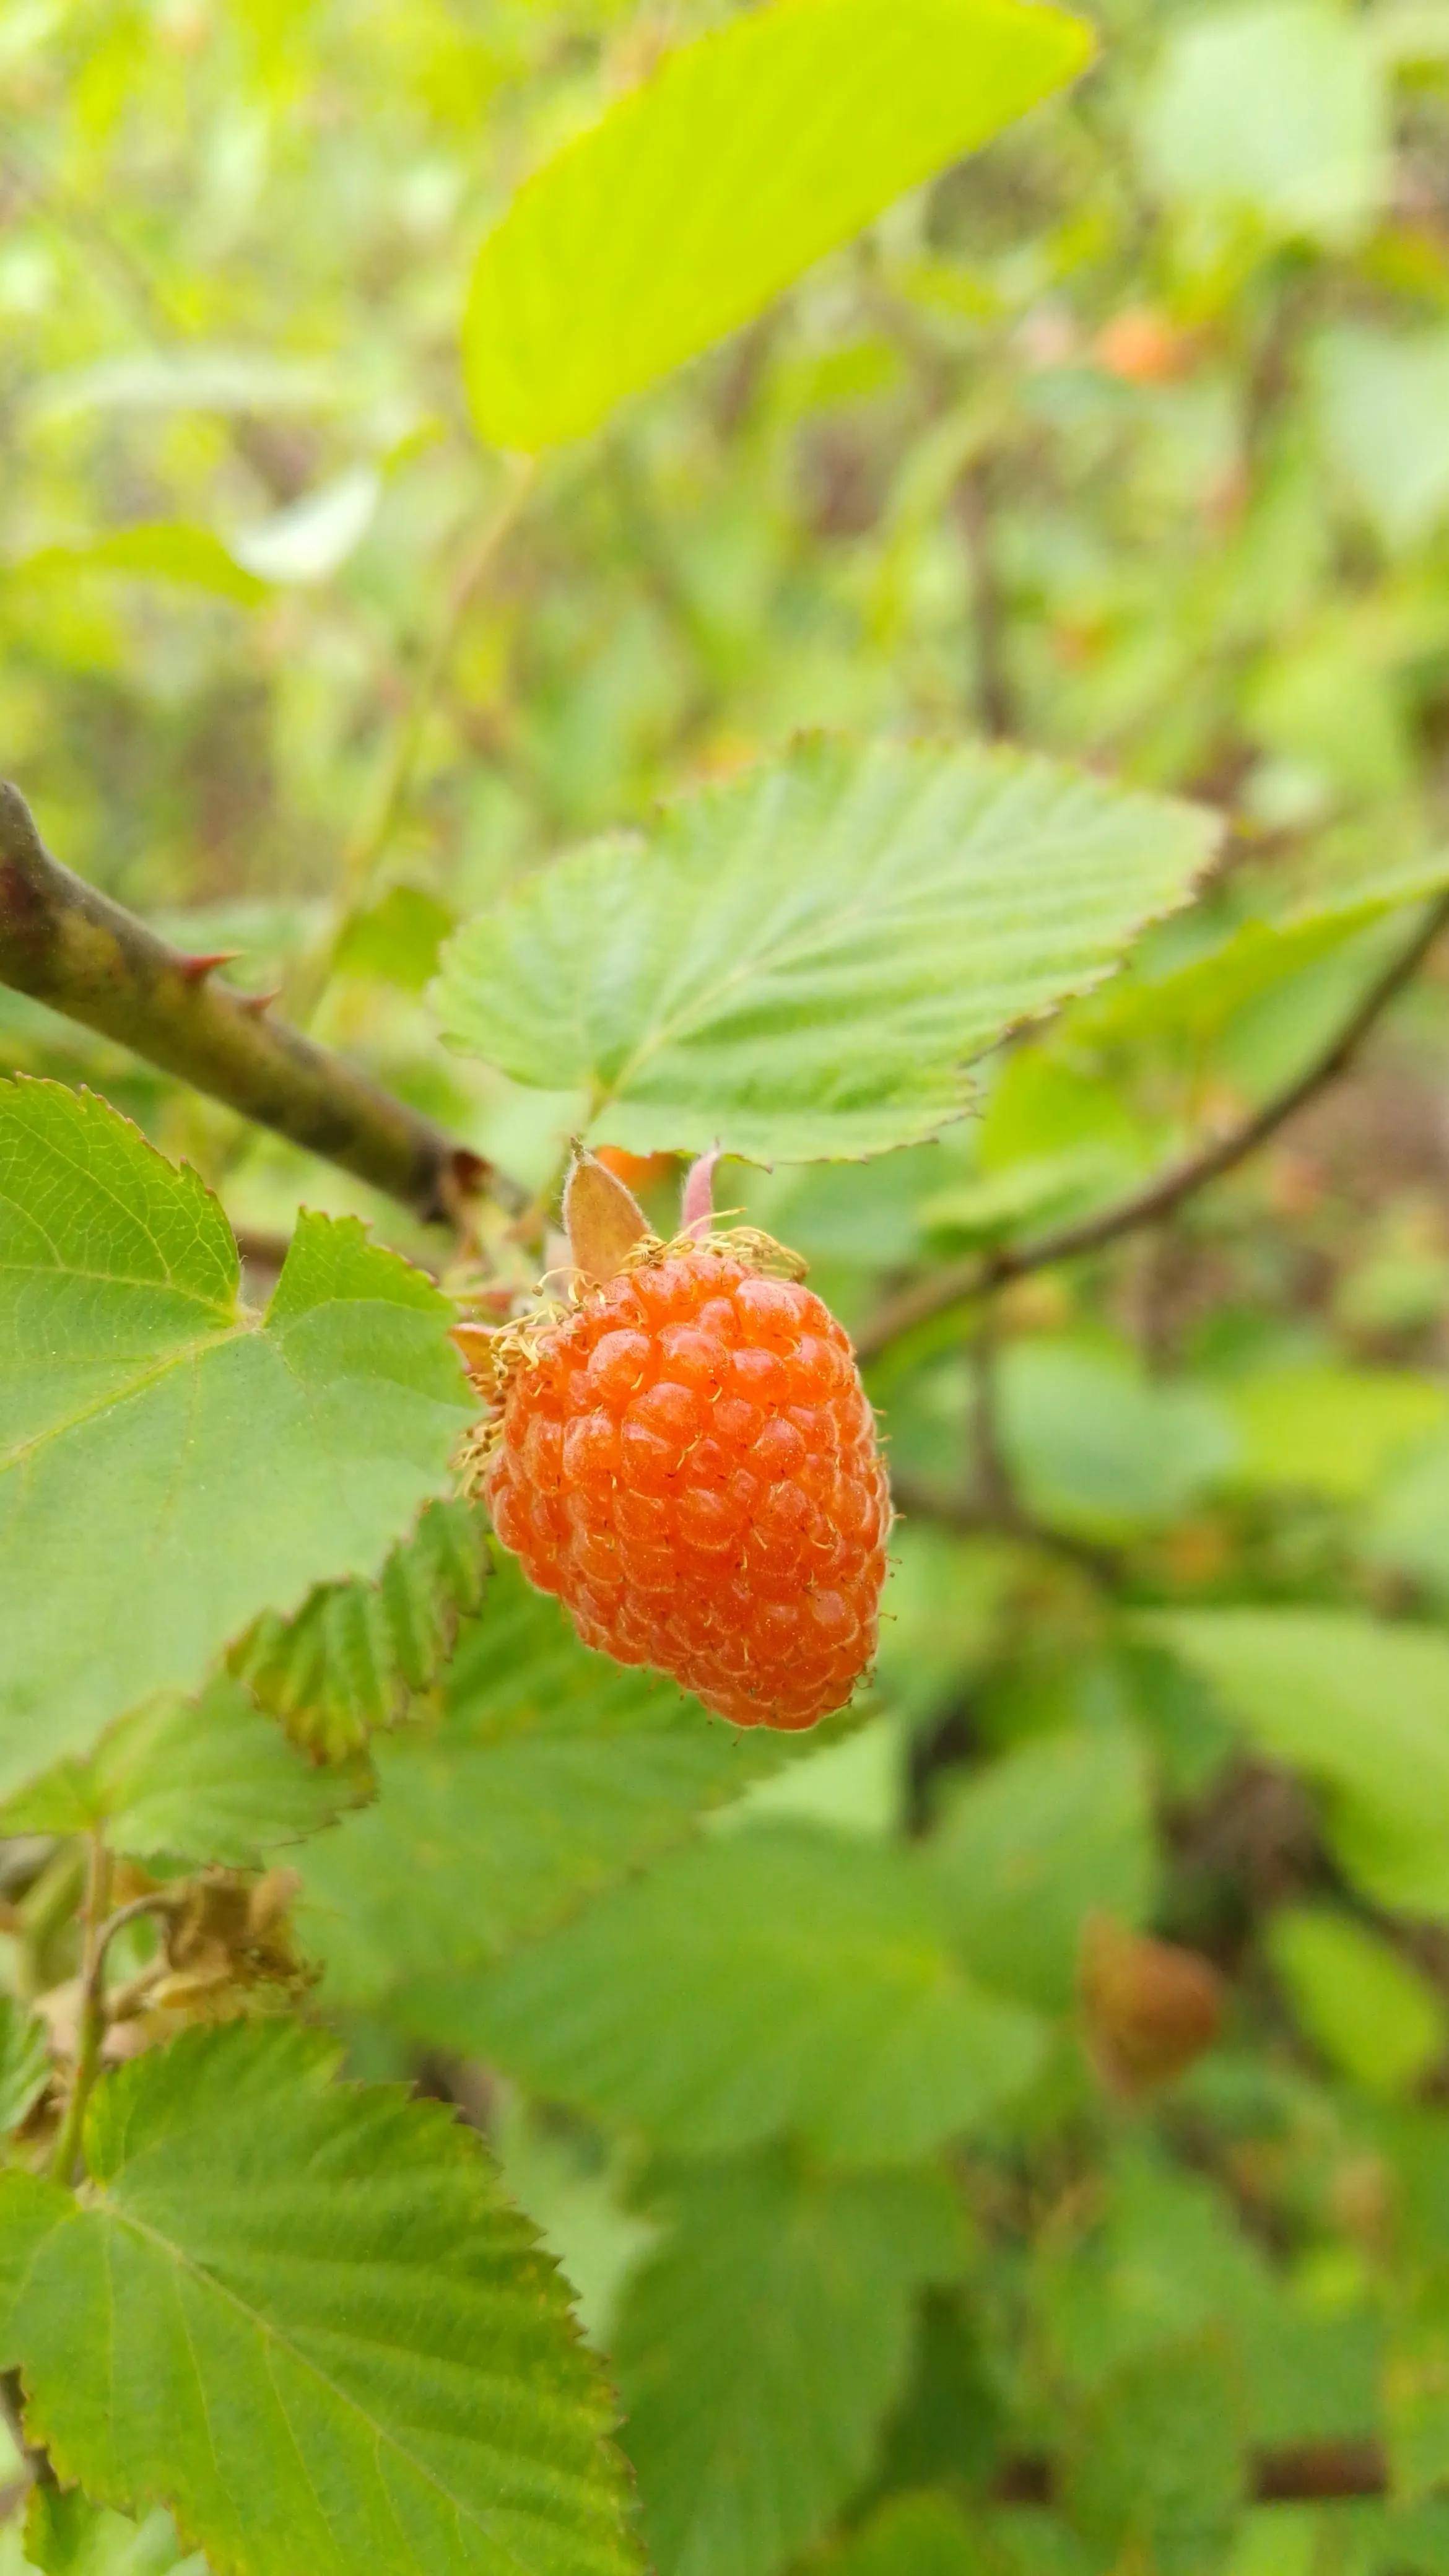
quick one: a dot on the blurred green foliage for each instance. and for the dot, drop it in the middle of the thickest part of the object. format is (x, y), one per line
(914, 2251)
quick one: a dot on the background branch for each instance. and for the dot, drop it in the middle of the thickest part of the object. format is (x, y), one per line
(980, 1272)
(1296, 2473)
(66, 944)
(918, 1498)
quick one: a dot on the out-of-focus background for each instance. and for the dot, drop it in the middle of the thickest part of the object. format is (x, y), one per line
(1129, 439)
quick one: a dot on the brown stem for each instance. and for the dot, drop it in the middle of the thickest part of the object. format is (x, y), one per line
(993, 708)
(66, 944)
(100, 1932)
(989, 1477)
(1297, 2473)
(918, 1498)
(981, 1272)
(91, 2025)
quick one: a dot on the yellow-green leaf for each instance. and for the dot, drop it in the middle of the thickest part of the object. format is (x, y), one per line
(702, 193)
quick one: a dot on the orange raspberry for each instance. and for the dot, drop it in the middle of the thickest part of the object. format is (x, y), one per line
(689, 1461)
(637, 1171)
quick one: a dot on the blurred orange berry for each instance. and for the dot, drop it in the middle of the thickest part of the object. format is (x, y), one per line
(636, 1171)
(1143, 348)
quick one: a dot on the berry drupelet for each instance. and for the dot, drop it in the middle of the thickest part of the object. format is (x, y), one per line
(689, 1461)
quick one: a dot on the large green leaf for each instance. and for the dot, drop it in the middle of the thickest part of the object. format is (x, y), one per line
(715, 183)
(552, 1773)
(301, 2316)
(776, 1979)
(170, 1465)
(206, 1779)
(760, 2348)
(1359, 1707)
(799, 964)
(356, 1653)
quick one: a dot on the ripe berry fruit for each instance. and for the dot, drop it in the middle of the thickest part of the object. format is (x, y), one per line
(689, 1461)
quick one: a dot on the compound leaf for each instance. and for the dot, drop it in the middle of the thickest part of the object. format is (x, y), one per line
(761, 2346)
(170, 1464)
(776, 1979)
(551, 1774)
(799, 964)
(707, 189)
(340, 2346)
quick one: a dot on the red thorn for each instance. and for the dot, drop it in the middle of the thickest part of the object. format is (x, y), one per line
(195, 969)
(256, 1003)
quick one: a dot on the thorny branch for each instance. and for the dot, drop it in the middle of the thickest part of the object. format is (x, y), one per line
(66, 944)
(979, 1273)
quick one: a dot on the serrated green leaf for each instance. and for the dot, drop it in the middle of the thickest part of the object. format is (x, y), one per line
(1358, 1707)
(24, 2062)
(171, 1465)
(67, 2535)
(799, 964)
(552, 1773)
(760, 2348)
(682, 213)
(206, 1779)
(341, 2348)
(775, 1980)
(355, 1653)
(1036, 1843)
